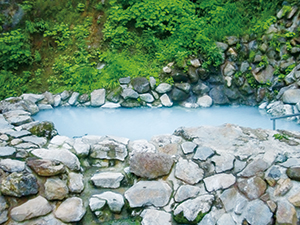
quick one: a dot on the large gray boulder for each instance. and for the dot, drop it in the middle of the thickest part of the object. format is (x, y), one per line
(178, 95)
(11, 165)
(150, 165)
(35, 207)
(98, 97)
(128, 93)
(145, 193)
(291, 96)
(163, 88)
(19, 184)
(115, 201)
(218, 96)
(140, 84)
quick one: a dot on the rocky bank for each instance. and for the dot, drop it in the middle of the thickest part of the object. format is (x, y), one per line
(201, 175)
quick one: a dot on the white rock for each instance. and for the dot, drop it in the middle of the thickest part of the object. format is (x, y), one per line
(107, 179)
(11, 165)
(115, 201)
(75, 183)
(219, 181)
(156, 217)
(36, 207)
(165, 100)
(188, 171)
(163, 88)
(205, 101)
(70, 210)
(98, 97)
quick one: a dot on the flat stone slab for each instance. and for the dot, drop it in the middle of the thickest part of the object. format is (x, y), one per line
(219, 181)
(7, 151)
(188, 171)
(143, 193)
(18, 134)
(115, 201)
(36, 207)
(11, 165)
(40, 141)
(44, 167)
(107, 179)
(185, 192)
(62, 155)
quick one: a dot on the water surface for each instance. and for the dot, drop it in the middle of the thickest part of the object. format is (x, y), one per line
(143, 123)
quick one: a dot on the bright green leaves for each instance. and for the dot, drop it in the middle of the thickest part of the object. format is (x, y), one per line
(14, 50)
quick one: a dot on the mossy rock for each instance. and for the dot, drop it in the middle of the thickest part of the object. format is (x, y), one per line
(44, 129)
(179, 218)
(130, 221)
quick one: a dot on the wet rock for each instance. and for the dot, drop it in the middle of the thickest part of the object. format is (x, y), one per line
(254, 167)
(128, 93)
(36, 207)
(178, 95)
(253, 187)
(291, 96)
(19, 184)
(57, 101)
(165, 100)
(219, 181)
(205, 101)
(185, 192)
(286, 213)
(44, 129)
(163, 88)
(200, 89)
(190, 209)
(203, 153)
(193, 75)
(7, 151)
(147, 98)
(65, 95)
(73, 98)
(293, 173)
(56, 189)
(130, 103)
(70, 210)
(218, 96)
(265, 75)
(10, 165)
(283, 186)
(18, 117)
(156, 217)
(114, 201)
(140, 84)
(83, 98)
(62, 155)
(107, 179)
(143, 193)
(188, 147)
(75, 183)
(109, 149)
(150, 165)
(229, 69)
(48, 97)
(111, 105)
(98, 97)
(188, 171)
(44, 167)
(223, 162)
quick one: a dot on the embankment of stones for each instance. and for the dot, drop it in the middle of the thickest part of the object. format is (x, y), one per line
(204, 175)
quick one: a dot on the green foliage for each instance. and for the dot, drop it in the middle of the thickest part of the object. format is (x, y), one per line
(179, 218)
(12, 84)
(14, 50)
(80, 7)
(281, 137)
(61, 34)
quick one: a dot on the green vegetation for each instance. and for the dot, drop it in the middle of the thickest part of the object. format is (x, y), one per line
(61, 45)
(281, 137)
(179, 218)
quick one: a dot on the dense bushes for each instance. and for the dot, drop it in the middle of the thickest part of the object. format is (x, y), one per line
(59, 44)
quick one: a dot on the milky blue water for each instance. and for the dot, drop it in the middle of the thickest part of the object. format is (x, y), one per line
(143, 123)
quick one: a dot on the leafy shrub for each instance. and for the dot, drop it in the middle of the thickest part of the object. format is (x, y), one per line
(14, 50)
